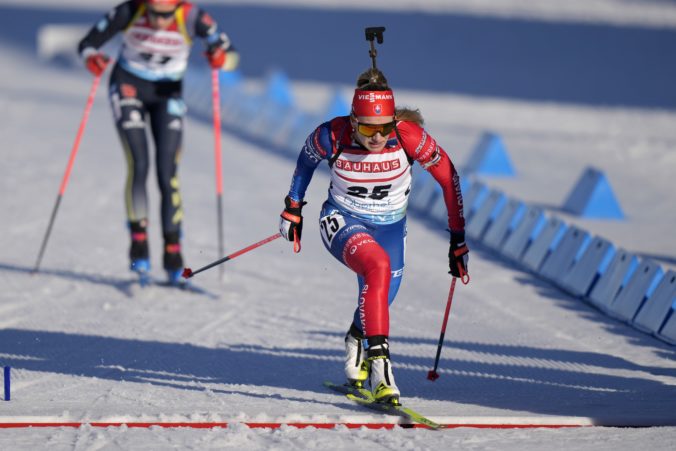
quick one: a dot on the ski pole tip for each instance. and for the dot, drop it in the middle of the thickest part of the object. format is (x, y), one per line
(432, 375)
(187, 273)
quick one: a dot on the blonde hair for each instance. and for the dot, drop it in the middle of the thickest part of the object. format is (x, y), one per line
(372, 80)
(409, 115)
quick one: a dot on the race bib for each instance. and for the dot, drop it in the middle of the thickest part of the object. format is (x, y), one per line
(330, 225)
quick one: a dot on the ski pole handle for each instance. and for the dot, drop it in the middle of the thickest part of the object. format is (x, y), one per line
(188, 273)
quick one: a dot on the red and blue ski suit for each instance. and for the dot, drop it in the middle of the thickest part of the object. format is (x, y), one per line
(363, 221)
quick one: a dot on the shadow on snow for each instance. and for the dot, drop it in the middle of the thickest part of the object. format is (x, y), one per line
(517, 378)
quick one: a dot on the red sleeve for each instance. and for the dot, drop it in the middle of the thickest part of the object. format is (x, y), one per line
(421, 147)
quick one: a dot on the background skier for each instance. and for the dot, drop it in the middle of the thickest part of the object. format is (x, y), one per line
(146, 88)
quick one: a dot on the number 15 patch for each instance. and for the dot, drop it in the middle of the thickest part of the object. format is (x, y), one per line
(330, 225)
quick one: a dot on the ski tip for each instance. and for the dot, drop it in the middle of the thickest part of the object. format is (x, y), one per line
(432, 375)
(187, 273)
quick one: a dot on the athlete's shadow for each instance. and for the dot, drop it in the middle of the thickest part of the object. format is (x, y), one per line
(125, 285)
(535, 379)
(514, 378)
(242, 370)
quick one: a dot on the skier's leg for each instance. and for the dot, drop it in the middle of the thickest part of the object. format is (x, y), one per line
(129, 112)
(352, 243)
(167, 127)
(391, 239)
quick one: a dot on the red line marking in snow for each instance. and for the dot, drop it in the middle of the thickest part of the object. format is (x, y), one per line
(210, 425)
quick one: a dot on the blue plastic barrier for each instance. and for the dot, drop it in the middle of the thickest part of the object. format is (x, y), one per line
(562, 258)
(437, 210)
(639, 288)
(474, 197)
(504, 223)
(278, 89)
(518, 241)
(590, 266)
(543, 244)
(490, 157)
(423, 191)
(668, 331)
(337, 106)
(654, 312)
(592, 197)
(274, 109)
(486, 213)
(609, 284)
(197, 92)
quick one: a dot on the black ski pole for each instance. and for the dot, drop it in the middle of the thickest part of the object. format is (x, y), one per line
(432, 374)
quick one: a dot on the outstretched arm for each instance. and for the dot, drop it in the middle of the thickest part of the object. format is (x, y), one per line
(112, 23)
(421, 147)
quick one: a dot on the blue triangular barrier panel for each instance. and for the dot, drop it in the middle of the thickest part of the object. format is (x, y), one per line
(338, 106)
(229, 78)
(473, 197)
(278, 89)
(658, 306)
(544, 243)
(563, 257)
(639, 288)
(485, 214)
(504, 223)
(617, 275)
(490, 157)
(423, 191)
(524, 231)
(592, 197)
(668, 331)
(464, 186)
(591, 265)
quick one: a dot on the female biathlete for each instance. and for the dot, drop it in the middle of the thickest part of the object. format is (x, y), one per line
(363, 222)
(146, 88)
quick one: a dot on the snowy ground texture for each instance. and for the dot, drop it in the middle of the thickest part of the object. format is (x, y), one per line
(87, 345)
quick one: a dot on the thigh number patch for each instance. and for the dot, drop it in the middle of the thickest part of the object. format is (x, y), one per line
(330, 225)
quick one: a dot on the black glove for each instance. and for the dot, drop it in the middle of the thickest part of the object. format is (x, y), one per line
(458, 256)
(291, 222)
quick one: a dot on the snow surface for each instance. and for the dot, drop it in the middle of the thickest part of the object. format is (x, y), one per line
(87, 345)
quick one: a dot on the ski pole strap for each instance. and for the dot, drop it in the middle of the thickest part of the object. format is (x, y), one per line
(464, 275)
(296, 241)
